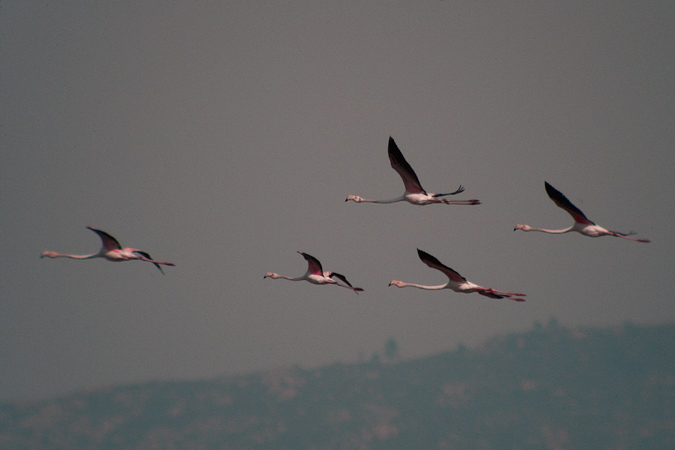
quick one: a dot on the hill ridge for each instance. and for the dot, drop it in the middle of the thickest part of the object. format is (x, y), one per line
(549, 387)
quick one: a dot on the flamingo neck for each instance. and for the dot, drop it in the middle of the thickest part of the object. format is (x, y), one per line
(544, 230)
(392, 200)
(290, 278)
(421, 286)
(66, 255)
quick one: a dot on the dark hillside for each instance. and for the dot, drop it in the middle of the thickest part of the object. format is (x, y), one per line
(552, 387)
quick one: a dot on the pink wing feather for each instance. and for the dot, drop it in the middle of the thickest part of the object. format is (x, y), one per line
(561, 201)
(436, 264)
(401, 166)
(109, 242)
(314, 264)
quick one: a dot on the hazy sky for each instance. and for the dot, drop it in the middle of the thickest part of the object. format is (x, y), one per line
(225, 137)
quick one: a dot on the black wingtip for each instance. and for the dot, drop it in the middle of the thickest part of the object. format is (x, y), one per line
(422, 253)
(551, 191)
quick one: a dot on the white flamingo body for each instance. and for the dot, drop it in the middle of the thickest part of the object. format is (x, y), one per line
(456, 282)
(414, 192)
(111, 250)
(581, 225)
(316, 275)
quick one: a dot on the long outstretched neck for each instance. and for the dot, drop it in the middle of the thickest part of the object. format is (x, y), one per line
(543, 230)
(50, 254)
(393, 200)
(275, 276)
(402, 284)
(357, 199)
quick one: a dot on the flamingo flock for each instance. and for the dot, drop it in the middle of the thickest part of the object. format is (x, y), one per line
(414, 194)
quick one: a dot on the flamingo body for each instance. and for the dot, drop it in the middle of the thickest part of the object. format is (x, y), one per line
(111, 250)
(316, 275)
(582, 224)
(414, 192)
(456, 282)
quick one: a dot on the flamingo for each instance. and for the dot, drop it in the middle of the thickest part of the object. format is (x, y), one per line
(316, 275)
(581, 223)
(414, 193)
(456, 282)
(112, 251)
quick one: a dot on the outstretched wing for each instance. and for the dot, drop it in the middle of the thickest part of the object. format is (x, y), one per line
(109, 242)
(400, 165)
(342, 279)
(562, 201)
(147, 257)
(314, 266)
(494, 293)
(436, 264)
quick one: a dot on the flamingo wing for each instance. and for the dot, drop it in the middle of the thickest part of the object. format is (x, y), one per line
(147, 257)
(488, 292)
(494, 293)
(343, 279)
(436, 264)
(401, 166)
(561, 201)
(313, 263)
(109, 242)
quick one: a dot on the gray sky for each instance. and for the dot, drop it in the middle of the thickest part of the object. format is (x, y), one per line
(225, 137)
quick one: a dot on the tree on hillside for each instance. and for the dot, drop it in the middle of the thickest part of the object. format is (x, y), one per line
(391, 349)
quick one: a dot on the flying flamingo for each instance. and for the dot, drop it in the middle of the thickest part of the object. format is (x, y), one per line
(316, 275)
(112, 251)
(581, 223)
(456, 282)
(414, 193)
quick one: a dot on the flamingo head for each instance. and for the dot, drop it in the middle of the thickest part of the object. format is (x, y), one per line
(522, 227)
(48, 254)
(396, 283)
(271, 275)
(354, 198)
